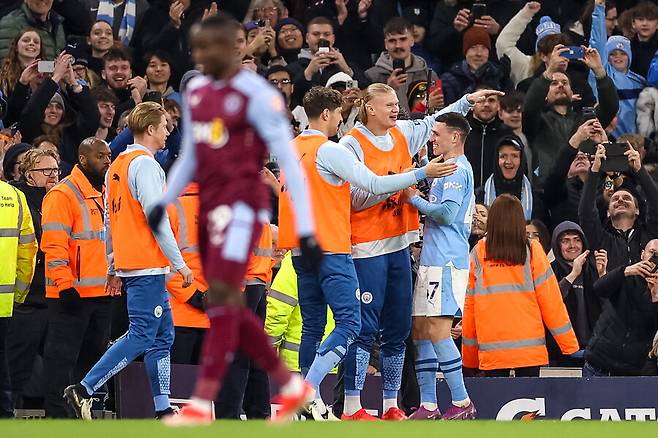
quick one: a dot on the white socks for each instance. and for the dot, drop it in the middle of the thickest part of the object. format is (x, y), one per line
(390, 403)
(462, 403)
(429, 406)
(352, 404)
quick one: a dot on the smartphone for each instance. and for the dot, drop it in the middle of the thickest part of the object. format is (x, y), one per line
(13, 129)
(323, 46)
(615, 160)
(654, 260)
(260, 23)
(399, 64)
(574, 52)
(352, 84)
(589, 113)
(436, 86)
(46, 66)
(478, 10)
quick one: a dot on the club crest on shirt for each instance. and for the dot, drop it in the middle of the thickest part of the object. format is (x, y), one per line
(232, 103)
(213, 133)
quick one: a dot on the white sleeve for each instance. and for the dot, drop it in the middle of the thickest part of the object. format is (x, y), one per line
(266, 114)
(184, 169)
(341, 162)
(417, 132)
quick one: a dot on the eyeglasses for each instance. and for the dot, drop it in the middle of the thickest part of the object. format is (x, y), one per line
(289, 29)
(47, 171)
(282, 81)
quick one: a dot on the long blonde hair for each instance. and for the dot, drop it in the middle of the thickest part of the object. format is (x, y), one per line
(369, 94)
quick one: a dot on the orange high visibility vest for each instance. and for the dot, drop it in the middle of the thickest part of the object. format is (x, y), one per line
(389, 218)
(331, 204)
(133, 243)
(73, 239)
(259, 269)
(505, 311)
(184, 219)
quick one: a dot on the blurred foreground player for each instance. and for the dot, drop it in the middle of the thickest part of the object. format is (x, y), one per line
(233, 117)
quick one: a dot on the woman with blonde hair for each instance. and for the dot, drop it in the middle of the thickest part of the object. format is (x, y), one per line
(383, 227)
(512, 294)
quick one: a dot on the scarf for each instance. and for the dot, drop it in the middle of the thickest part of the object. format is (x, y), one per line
(106, 13)
(526, 195)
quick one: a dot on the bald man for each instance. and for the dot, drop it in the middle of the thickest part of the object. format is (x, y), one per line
(78, 290)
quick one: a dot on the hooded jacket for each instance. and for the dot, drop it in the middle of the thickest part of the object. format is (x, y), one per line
(518, 186)
(481, 146)
(624, 333)
(460, 80)
(583, 305)
(383, 68)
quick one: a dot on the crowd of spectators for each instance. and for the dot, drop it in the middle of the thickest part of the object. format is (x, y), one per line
(580, 81)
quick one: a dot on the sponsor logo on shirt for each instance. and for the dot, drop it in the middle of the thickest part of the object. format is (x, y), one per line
(213, 133)
(452, 185)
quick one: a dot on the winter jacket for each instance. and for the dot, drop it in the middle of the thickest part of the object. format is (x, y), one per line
(561, 193)
(629, 84)
(578, 74)
(583, 305)
(84, 125)
(647, 112)
(623, 248)
(34, 196)
(643, 53)
(50, 31)
(547, 129)
(481, 146)
(623, 335)
(383, 68)
(460, 80)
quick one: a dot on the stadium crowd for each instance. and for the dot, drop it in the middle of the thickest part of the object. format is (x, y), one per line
(571, 138)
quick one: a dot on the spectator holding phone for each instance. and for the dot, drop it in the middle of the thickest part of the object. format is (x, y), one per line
(617, 57)
(549, 116)
(397, 66)
(623, 335)
(321, 60)
(625, 233)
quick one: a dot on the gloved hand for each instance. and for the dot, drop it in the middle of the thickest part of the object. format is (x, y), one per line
(70, 299)
(198, 301)
(155, 217)
(311, 252)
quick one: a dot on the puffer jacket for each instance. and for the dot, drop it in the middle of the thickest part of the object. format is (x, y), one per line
(460, 80)
(51, 31)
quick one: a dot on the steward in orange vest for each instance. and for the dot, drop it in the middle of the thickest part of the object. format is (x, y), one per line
(73, 242)
(506, 309)
(187, 303)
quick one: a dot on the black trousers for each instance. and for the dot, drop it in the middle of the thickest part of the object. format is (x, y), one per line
(246, 387)
(6, 409)
(188, 342)
(76, 341)
(25, 340)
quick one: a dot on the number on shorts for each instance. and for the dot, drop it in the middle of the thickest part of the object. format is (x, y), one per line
(430, 295)
(218, 220)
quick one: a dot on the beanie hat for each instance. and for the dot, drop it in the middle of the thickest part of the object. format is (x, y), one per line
(475, 36)
(289, 20)
(618, 42)
(545, 28)
(57, 98)
(11, 156)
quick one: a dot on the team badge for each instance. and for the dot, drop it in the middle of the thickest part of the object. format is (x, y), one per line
(366, 297)
(232, 103)
(157, 311)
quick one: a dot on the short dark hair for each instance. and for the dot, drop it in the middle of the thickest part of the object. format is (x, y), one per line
(277, 69)
(546, 45)
(511, 101)
(104, 94)
(397, 25)
(221, 22)
(457, 122)
(320, 20)
(161, 55)
(646, 10)
(318, 99)
(116, 54)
